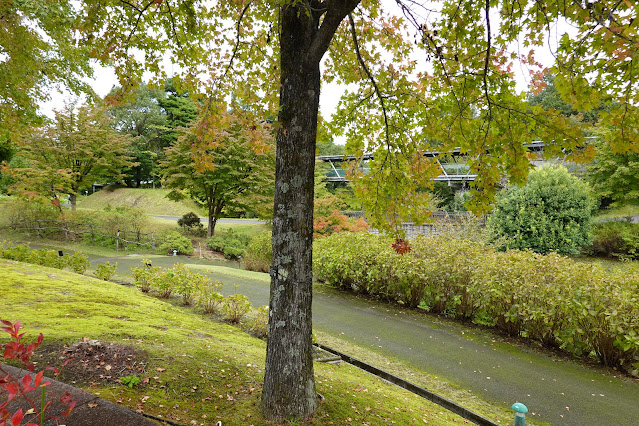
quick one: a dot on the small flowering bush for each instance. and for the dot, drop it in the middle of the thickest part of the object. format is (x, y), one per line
(143, 276)
(106, 270)
(235, 307)
(78, 262)
(259, 324)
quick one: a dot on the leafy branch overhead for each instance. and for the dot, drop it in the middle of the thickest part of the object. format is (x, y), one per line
(420, 75)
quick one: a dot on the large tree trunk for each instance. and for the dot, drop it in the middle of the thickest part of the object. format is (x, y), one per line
(289, 385)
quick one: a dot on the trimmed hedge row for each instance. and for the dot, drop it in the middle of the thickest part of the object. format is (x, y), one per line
(549, 298)
(259, 253)
(77, 262)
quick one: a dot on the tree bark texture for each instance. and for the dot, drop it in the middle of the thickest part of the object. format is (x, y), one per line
(289, 386)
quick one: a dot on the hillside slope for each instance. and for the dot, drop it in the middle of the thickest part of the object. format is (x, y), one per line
(152, 201)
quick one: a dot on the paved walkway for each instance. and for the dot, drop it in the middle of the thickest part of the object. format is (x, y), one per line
(558, 391)
(631, 219)
(90, 410)
(221, 220)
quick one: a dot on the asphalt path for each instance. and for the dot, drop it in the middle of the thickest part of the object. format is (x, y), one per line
(556, 390)
(221, 220)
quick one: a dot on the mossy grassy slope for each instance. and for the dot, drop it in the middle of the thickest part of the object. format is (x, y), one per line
(152, 201)
(617, 212)
(199, 370)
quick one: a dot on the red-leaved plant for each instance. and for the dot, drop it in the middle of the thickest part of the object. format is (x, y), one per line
(401, 246)
(12, 388)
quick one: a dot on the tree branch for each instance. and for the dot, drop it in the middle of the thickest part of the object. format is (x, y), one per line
(137, 21)
(336, 11)
(486, 65)
(370, 77)
(237, 41)
(131, 5)
(602, 22)
(177, 40)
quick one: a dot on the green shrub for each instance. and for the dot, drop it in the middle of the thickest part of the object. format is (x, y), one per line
(163, 282)
(185, 283)
(216, 243)
(106, 270)
(607, 316)
(548, 282)
(233, 252)
(259, 324)
(208, 298)
(173, 240)
(259, 253)
(176, 280)
(549, 298)
(615, 239)
(498, 292)
(449, 282)
(47, 257)
(550, 213)
(231, 244)
(189, 219)
(144, 276)
(235, 307)
(78, 262)
(191, 225)
(19, 253)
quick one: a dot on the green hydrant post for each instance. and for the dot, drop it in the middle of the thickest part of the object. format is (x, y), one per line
(520, 416)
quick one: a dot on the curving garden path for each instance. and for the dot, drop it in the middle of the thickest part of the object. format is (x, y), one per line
(556, 390)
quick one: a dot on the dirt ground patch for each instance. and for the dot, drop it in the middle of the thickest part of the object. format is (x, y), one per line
(201, 251)
(92, 361)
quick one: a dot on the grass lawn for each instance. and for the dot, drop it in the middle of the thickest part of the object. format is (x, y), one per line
(612, 213)
(609, 264)
(152, 201)
(194, 368)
